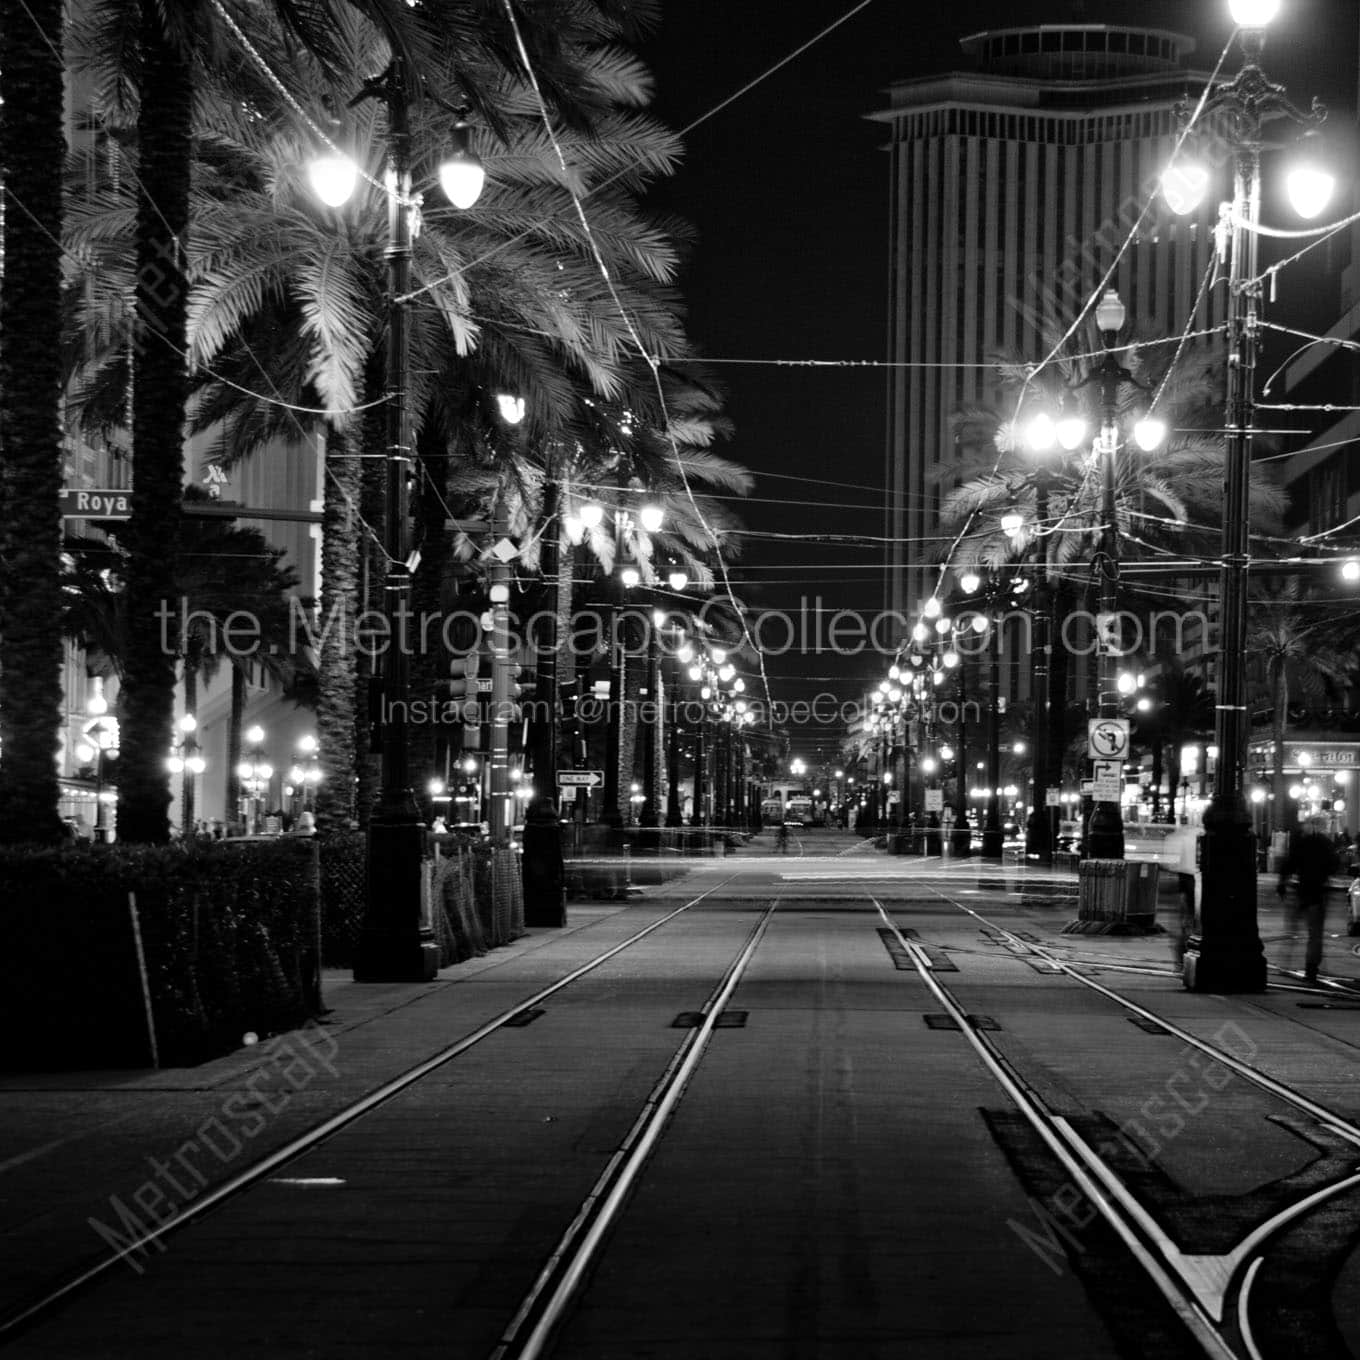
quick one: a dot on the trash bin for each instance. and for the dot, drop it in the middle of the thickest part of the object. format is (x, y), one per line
(1117, 890)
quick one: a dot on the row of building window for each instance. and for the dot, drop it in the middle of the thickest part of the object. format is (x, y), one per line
(1011, 127)
(1123, 42)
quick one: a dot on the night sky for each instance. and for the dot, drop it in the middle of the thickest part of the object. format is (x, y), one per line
(787, 188)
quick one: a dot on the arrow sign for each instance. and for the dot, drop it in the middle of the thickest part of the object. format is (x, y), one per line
(580, 779)
(1108, 783)
(1108, 738)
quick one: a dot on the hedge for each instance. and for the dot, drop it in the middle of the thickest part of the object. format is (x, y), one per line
(476, 898)
(229, 933)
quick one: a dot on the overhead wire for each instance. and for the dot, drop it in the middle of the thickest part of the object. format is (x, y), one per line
(651, 360)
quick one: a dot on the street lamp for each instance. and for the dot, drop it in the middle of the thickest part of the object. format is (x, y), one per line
(396, 943)
(305, 774)
(186, 761)
(100, 745)
(1226, 954)
(254, 772)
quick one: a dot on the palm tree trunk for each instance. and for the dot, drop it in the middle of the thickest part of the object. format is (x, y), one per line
(235, 720)
(160, 389)
(427, 654)
(1173, 777)
(32, 148)
(1284, 810)
(367, 764)
(340, 604)
(192, 661)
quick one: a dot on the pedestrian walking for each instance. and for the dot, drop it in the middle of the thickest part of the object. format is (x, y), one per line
(1311, 862)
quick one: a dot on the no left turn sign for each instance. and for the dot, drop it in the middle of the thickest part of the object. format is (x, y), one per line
(1108, 738)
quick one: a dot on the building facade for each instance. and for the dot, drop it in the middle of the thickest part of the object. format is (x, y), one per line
(1012, 188)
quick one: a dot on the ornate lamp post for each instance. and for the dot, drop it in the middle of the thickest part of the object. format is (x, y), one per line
(305, 773)
(254, 772)
(396, 943)
(100, 745)
(186, 761)
(1226, 954)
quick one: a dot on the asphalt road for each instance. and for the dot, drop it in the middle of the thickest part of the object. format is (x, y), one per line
(826, 1104)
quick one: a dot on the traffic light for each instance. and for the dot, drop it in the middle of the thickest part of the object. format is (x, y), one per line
(465, 689)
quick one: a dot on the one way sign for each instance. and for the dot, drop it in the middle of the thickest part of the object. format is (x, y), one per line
(580, 779)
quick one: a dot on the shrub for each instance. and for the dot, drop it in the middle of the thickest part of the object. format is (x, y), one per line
(229, 936)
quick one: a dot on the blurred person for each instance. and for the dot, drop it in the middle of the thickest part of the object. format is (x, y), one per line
(1311, 862)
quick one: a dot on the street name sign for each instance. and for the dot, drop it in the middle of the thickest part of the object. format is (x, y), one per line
(1108, 738)
(87, 503)
(580, 779)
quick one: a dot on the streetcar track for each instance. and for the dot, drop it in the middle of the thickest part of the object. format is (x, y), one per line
(1207, 1279)
(564, 1272)
(26, 1314)
(1191, 1312)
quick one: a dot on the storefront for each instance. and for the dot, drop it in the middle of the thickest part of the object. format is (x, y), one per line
(1320, 778)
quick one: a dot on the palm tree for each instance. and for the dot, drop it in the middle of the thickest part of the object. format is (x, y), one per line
(31, 145)
(1285, 641)
(1182, 711)
(221, 569)
(173, 45)
(288, 296)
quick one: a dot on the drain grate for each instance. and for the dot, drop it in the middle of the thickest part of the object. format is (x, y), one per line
(940, 1022)
(940, 962)
(900, 958)
(983, 1022)
(522, 1018)
(1148, 1026)
(726, 1020)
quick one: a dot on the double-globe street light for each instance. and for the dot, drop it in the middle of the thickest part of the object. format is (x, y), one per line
(1105, 833)
(1226, 954)
(627, 575)
(396, 943)
(186, 760)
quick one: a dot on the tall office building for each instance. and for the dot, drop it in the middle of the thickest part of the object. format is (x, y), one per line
(1012, 188)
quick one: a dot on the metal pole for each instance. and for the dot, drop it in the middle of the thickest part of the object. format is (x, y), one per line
(963, 833)
(502, 667)
(673, 813)
(993, 838)
(1106, 838)
(1038, 826)
(546, 724)
(649, 725)
(612, 814)
(1226, 956)
(397, 942)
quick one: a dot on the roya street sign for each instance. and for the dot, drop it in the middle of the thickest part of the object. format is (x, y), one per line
(580, 779)
(87, 503)
(1108, 738)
